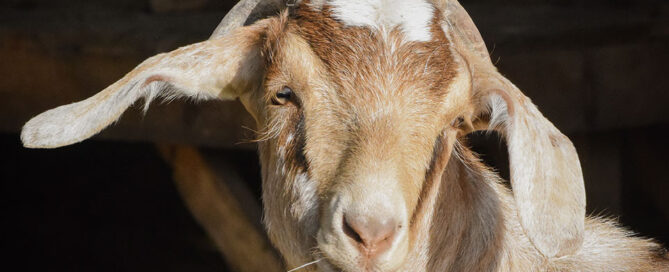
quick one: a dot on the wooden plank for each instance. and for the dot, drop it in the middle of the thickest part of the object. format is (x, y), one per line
(210, 198)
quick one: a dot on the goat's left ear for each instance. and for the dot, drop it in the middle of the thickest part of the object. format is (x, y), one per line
(545, 171)
(221, 68)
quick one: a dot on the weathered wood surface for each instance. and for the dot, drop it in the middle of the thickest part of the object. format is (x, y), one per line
(588, 68)
(218, 199)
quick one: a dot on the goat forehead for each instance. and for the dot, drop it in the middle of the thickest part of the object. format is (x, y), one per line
(413, 17)
(364, 62)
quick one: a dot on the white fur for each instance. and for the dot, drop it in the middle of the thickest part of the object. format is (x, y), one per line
(499, 113)
(411, 16)
(306, 191)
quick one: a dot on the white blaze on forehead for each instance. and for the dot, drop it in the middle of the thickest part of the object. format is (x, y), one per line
(412, 16)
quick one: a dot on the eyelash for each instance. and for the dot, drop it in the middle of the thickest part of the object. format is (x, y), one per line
(283, 96)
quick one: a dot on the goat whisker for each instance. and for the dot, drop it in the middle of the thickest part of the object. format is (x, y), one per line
(305, 265)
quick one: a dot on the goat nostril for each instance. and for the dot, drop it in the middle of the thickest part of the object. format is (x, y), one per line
(372, 236)
(351, 232)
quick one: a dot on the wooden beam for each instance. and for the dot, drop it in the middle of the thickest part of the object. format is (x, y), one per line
(218, 207)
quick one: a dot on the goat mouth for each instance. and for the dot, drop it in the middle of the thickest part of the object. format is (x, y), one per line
(327, 266)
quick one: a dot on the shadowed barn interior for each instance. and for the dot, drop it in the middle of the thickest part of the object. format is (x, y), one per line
(595, 68)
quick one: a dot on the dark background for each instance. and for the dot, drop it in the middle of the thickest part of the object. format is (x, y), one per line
(597, 69)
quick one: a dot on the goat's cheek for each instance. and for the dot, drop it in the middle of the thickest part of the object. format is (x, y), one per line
(410, 189)
(418, 156)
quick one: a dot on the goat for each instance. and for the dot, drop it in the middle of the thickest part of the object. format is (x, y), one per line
(362, 107)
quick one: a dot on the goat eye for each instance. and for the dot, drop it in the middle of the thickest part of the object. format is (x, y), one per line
(283, 96)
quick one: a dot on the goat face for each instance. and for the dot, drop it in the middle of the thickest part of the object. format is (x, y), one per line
(348, 140)
(357, 120)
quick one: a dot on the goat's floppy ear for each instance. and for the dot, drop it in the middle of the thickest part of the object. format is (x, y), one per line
(219, 68)
(545, 171)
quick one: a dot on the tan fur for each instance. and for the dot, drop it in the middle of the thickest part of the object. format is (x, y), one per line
(376, 124)
(479, 231)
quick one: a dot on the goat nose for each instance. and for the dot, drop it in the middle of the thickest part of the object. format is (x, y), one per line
(372, 236)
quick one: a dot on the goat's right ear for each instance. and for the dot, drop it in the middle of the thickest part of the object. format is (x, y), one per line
(220, 68)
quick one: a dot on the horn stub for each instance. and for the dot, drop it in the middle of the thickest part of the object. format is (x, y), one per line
(246, 12)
